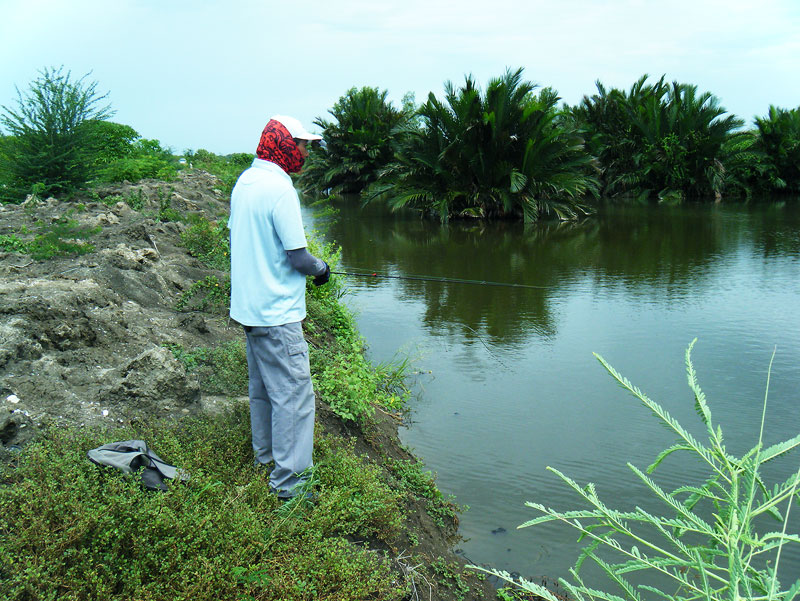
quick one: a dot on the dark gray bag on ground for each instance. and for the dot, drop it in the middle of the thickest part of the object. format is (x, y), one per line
(133, 456)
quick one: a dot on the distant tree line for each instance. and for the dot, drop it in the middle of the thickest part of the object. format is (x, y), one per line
(510, 151)
(58, 140)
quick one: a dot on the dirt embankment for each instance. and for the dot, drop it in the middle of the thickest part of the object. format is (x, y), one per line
(84, 340)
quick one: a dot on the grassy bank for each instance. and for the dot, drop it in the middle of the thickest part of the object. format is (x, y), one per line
(379, 528)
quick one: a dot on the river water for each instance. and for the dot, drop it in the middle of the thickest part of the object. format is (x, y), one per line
(507, 382)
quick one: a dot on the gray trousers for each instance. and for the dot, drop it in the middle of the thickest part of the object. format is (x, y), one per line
(281, 402)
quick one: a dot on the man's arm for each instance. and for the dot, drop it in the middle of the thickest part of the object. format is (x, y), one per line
(307, 264)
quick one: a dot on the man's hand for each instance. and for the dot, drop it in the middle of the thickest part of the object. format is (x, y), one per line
(323, 277)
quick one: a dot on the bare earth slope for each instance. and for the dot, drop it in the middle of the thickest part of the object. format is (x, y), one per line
(83, 338)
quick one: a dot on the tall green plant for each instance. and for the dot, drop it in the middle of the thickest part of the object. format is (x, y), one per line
(725, 558)
(49, 140)
(779, 140)
(111, 141)
(360, 140)
(660, 140)
(493, 155)
(144, 159)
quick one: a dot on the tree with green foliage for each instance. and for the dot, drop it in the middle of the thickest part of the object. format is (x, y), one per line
(660, 140)
(502, 154)
(143, 159)
(360, 141)
(779, 140)
(49, 142)
(111, 141)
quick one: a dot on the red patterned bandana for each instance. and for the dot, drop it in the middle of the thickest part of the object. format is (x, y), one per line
(277, 146)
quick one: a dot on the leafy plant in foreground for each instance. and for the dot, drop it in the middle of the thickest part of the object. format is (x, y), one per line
(731, 559)
(89, 534)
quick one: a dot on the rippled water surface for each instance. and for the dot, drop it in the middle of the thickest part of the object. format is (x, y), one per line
(509, 383)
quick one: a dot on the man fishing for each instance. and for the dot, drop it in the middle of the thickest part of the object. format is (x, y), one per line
(269, 265)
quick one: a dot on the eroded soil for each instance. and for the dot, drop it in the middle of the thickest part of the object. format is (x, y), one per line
(84, 338)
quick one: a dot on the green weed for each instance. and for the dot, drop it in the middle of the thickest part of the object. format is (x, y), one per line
(719, 559)
(71, 530)
(450, 577)
(13, 244)
(207, 294)
(165, 210)
(222, 370)
(136, 199)
(64, 237)
(208, 241)
(417, 481)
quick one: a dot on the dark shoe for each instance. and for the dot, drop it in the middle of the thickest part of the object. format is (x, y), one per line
(307, 497)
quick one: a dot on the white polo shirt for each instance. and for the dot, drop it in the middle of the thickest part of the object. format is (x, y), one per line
(265, 222)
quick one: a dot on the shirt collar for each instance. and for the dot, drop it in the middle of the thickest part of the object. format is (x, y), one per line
(270, 166)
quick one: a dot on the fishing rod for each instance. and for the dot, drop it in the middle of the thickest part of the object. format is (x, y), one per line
(422, 278)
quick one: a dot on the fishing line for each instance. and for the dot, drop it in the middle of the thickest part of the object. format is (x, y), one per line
(492, 353)
(423, 278)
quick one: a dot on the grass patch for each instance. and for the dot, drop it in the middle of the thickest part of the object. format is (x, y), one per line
(209, 242)
(71, 530)
(63, 237)
(222, 369)
(421, 483)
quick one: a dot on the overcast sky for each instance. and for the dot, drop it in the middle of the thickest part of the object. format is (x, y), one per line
(209, 74)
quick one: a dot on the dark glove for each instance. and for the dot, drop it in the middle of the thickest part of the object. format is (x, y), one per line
(323, 277)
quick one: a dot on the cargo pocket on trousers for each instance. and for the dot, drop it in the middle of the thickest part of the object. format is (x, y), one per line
(298, 359)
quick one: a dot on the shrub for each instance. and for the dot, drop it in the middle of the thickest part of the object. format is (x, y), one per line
(145, 160)
(719, 559)
(360, 141)
(50, 139)
(72, 530)
(779, 140)
(659, 140)
(208, 241)
(499, 154)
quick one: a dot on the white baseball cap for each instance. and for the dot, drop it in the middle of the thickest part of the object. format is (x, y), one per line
(295, 128)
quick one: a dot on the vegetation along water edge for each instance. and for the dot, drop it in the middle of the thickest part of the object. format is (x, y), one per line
(128, 339)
